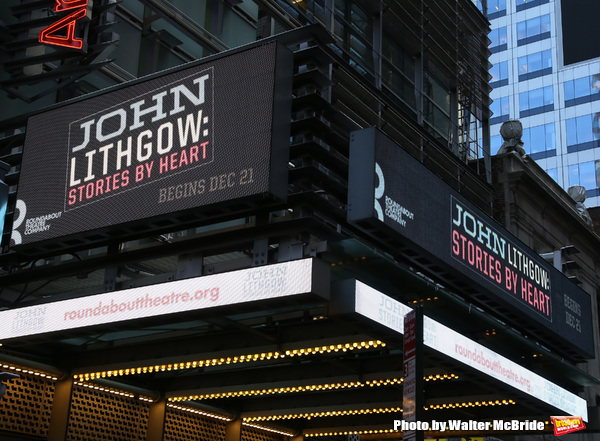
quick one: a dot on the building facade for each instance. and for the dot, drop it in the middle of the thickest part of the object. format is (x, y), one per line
(220, 213)
(545, 73)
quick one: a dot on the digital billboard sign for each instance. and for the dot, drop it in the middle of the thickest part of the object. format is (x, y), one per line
(196, 294)
(579, 19)
(209, 133)
(391, 191)
(353, 295)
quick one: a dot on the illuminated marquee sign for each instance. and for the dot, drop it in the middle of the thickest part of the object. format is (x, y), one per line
(392, 192)
(485, 250)
(215, 132)
(388, 312)
(195, 294)
(67, 25)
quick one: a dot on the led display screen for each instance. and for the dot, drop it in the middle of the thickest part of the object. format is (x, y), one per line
(391, 191)
(209, 133)
(579, 30)
(194, 294)
(390, 313)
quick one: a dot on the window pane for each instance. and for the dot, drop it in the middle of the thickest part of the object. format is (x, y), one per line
(595, 83)
(504, 70)
(550, 136)
(545, 23)
(573, 175)
(495, 143)
(587, 175)
(535, 62)
(582, 87)
(546, 59)
(521, 30)
(548, 95)
(584, 129)
(596, 126)
(505, 106)
(502, 35)
(526, 138)
(495, 108)
(533, 26)
(495, 73)
(536, 98)
(523, 101)
(538, 142)
(571, 125)
(523, 65)
(569, 90)
(553, 174)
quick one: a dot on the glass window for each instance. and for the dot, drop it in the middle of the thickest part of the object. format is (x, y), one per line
(437, 106)
(495, 143)
(569, 90)
(553, 173)
(398, 71)
(548, 95)
(353, 29)
(579, 130)
(571, 126)
(532, 63)
(539, 138)
(498, 37)
(533, 27)
(500, 107)
(583, 90)
(545, 23)
(584, 129)
(523, 101)
(546, 59)
(582, 87)
(583, 174)
(499, 72)
(535, 61)
(526, 4)
(550, 134)
(536, 99)
(496, 6)
(595, 83)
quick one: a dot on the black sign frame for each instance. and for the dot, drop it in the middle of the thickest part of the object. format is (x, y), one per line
(394, 197)
(207, 140)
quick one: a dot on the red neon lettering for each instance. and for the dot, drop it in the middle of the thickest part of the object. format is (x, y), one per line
(63, 5)
(49, 36)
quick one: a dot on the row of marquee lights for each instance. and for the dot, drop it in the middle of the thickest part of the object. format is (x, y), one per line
(350, 412)
(244, 358)
(308, 388)
(250, 421)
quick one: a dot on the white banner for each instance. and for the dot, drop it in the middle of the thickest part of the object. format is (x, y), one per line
(260, 283)
(390, 313)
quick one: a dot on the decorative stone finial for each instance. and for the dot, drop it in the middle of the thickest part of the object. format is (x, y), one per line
(578, 194)
(511, 132)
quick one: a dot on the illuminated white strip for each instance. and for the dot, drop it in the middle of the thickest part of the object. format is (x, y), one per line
(390, 313)
(260, 283)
